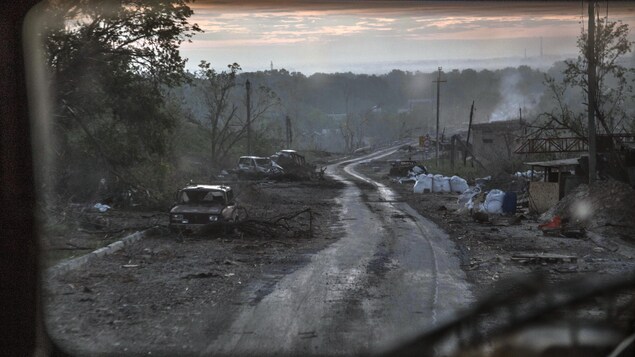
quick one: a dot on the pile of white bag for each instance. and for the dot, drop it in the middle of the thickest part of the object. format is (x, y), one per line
(439, 183)
(493, 203)
(412, 175)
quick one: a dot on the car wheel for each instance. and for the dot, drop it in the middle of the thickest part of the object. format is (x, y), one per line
(231, 229)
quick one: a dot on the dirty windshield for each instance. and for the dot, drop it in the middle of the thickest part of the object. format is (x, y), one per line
(452, 178)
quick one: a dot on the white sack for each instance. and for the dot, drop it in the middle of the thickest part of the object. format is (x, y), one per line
(493, 202)
(440, 183)
(458, 184)
(423, 184)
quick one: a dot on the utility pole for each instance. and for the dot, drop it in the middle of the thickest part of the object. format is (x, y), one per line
(248, 88)
(591, 79)
(438, 82)
(469, 129)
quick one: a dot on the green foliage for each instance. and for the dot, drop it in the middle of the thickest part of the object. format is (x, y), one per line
(111, 62)
(217, 105)
(614, 83)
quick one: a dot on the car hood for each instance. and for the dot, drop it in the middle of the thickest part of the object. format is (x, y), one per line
(196, 209)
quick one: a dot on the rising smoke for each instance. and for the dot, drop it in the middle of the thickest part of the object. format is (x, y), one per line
(513, 98)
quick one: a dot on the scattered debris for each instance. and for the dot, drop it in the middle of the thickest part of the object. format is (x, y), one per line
(480, 217)
(505, 220)
(400, 168)
(602, 242)
(482, 181)
(308, 334)
(553, 225)
(543, 258)
(573, 233)
(201, 275)
(277, 226)
(605, 207)
(101, 207)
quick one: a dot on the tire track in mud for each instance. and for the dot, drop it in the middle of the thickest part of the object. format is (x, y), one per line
(376, 286)
(388, 196)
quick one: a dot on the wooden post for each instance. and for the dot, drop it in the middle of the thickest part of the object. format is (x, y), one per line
(591, 93)
(248, 89)
(467, 141)
(289, 133)
(310, 223)
(452, 143)
(438, 82)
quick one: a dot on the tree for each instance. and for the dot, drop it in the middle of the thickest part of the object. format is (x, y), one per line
(111, 62)
(224, 125)
(347, 130)
(613, 83)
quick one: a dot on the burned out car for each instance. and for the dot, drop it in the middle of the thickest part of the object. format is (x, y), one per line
(294, 164)
(288, 157)
(200, 206)
(254, 166)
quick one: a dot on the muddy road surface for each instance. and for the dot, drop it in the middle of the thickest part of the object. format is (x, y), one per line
(373, 274)
(392, 274)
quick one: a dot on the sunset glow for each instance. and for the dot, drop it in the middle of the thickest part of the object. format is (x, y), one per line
(332, 37)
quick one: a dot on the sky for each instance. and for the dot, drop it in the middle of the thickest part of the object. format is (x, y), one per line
(378, 36)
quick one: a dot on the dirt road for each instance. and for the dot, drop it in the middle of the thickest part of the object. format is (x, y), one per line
(392, 274)
(373, 273)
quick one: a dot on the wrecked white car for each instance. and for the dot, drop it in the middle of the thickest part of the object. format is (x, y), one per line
(254, 166)
(199, 206)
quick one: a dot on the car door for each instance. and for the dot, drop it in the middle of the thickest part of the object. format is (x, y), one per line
(229, 212)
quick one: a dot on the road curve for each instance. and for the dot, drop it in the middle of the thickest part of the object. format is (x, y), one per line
(392, 275)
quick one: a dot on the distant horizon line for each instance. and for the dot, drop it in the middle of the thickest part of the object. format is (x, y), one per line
(547, 60)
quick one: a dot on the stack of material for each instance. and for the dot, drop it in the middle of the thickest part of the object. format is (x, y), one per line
(606, 207)
(439, 183)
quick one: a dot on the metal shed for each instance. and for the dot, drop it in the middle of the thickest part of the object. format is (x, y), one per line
(560, 177)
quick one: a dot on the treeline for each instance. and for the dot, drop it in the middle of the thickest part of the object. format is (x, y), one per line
(377, 107)
(125, 109)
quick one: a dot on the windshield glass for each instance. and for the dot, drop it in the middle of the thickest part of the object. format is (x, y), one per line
(456, 164)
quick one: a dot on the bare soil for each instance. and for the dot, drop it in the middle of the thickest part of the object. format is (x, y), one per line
(180, 292)
(489, 252)
(177, 292)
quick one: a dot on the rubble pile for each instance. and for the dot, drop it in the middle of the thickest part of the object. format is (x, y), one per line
(606, 207)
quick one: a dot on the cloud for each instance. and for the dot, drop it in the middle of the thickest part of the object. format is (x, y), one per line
(394, 30)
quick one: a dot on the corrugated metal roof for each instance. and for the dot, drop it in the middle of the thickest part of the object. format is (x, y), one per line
(555, 163)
